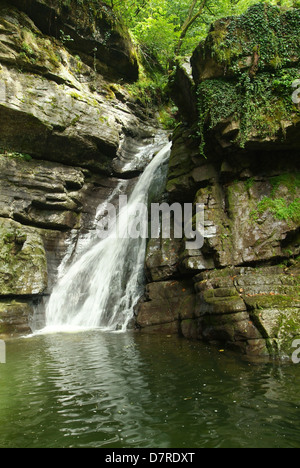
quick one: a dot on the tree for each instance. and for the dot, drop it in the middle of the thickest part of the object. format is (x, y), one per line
(166, 29)
(195, 12)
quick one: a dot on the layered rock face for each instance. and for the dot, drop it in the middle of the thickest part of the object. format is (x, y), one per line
(69, 132)
(68, 129)
(239, 157)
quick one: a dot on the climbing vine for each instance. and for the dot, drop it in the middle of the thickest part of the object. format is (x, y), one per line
(259, 105)
(259, 52)
(264, 29)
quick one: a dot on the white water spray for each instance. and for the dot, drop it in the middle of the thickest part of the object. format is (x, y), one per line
(102, 288)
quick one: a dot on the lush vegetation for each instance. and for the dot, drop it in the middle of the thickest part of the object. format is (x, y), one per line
(164, 29)
(259, 105)
(258, 98)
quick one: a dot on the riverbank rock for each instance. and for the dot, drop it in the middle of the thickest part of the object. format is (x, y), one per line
(15, 317)
(239, 158)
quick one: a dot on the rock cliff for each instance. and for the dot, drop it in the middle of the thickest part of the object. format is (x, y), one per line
(68, 128)
(69, 131)
(237, 153)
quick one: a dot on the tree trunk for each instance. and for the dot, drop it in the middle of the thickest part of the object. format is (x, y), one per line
(189, 22)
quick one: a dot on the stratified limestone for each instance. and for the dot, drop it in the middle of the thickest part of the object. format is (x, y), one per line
(88, 27)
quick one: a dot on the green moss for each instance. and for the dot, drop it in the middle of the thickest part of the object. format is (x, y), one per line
(166, 118)
(281, 208)
(15, 155)
(27, 49)
(76, 96)
(75, 120)
(291, 181)
(276, 301)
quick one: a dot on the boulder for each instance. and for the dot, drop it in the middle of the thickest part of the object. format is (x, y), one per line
(264, 38)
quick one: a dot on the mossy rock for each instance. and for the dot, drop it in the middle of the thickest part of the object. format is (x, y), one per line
(220, 305)
(279, 327)
(245, 71)
(88, 27)
(272, 301)
(265, 37)
(23, 265)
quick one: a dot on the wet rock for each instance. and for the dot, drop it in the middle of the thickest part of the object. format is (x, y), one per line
(39, 193)
(15, 317)
(68, 111)
(167, 302)
(162, 259)
(66, 134)
(253, 310)
(58, 122)
(23, 265)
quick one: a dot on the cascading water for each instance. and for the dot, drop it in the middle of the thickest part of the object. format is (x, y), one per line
(103, 286)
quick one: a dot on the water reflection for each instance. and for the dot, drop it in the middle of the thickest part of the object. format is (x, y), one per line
(123, 390)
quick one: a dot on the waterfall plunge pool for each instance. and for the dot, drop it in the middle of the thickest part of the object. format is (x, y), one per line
(96, 389)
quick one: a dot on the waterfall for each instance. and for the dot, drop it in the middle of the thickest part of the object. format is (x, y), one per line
(103, 286)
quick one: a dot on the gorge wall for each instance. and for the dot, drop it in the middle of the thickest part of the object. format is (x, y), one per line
(68, 129)
(237, 152)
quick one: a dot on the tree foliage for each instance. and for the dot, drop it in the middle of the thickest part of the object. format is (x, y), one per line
(164, 29)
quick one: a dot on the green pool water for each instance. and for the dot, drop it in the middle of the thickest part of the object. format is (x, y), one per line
(95, 389)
